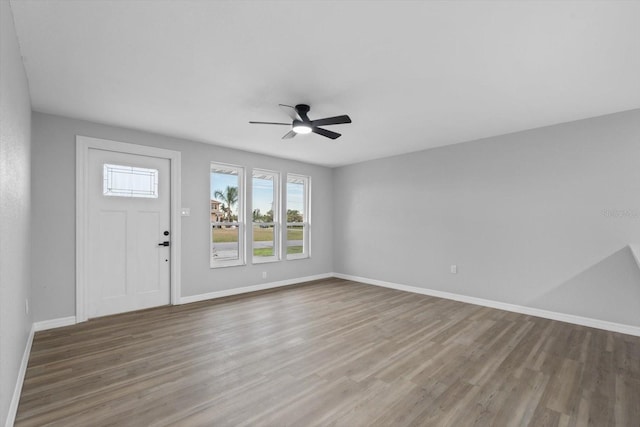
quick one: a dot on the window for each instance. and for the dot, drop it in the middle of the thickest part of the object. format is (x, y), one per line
(265, 216)
(128, 181)
(227, 215)
(298, 216)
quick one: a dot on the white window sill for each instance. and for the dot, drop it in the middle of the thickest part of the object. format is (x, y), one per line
(265, 260)
(223, 264)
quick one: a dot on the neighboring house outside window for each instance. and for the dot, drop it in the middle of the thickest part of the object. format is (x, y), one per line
(227, 215)
(216, 212)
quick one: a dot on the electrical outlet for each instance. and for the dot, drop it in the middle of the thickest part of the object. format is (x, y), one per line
(264, 274)
(454, 269)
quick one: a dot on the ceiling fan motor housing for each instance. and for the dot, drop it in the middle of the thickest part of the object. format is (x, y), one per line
(302, 108)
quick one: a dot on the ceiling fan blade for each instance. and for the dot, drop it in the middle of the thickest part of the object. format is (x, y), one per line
(290, 111)
(289, 135)
(327, 133)
(269, 123)
(337, 120)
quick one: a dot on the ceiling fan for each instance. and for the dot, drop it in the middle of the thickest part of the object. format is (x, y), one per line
(302, 124)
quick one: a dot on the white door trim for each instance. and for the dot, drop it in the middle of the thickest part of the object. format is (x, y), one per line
(83, 145)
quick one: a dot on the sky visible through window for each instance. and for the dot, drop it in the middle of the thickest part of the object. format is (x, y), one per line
(262, 192)
(295, 193)
(262, 195)
(220, 181)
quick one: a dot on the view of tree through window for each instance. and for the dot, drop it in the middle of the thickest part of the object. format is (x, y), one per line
(226, 215)
(265, 215)
(269, 237)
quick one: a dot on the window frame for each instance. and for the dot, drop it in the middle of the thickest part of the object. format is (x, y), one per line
(240, 223)
(306, 218)
(276, 223)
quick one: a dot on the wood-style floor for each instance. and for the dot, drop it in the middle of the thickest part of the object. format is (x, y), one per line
(332, 352)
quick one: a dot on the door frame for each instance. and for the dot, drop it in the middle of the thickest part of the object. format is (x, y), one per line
(83, 145)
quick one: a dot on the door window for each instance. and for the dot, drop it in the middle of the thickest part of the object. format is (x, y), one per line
(128, 181)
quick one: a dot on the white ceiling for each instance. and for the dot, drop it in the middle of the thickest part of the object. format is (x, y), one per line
(411, 75)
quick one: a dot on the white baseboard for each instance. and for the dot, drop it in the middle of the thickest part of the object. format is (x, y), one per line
(71, 320)
(54, 323)
(546, 314)
(253, 288)
(13, 406)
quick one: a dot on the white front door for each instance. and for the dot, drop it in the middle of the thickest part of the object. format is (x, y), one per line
(128, 218)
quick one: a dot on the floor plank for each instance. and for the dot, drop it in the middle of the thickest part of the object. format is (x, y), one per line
(330, 352)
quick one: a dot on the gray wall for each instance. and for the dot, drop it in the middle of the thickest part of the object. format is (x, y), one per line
(538, 218)
(54, 213)
(15, 208)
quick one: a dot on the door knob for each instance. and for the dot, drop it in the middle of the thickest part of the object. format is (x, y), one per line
(164, 243)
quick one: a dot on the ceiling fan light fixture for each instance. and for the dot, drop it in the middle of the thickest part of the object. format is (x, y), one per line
(301, 128)
(302, 124)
